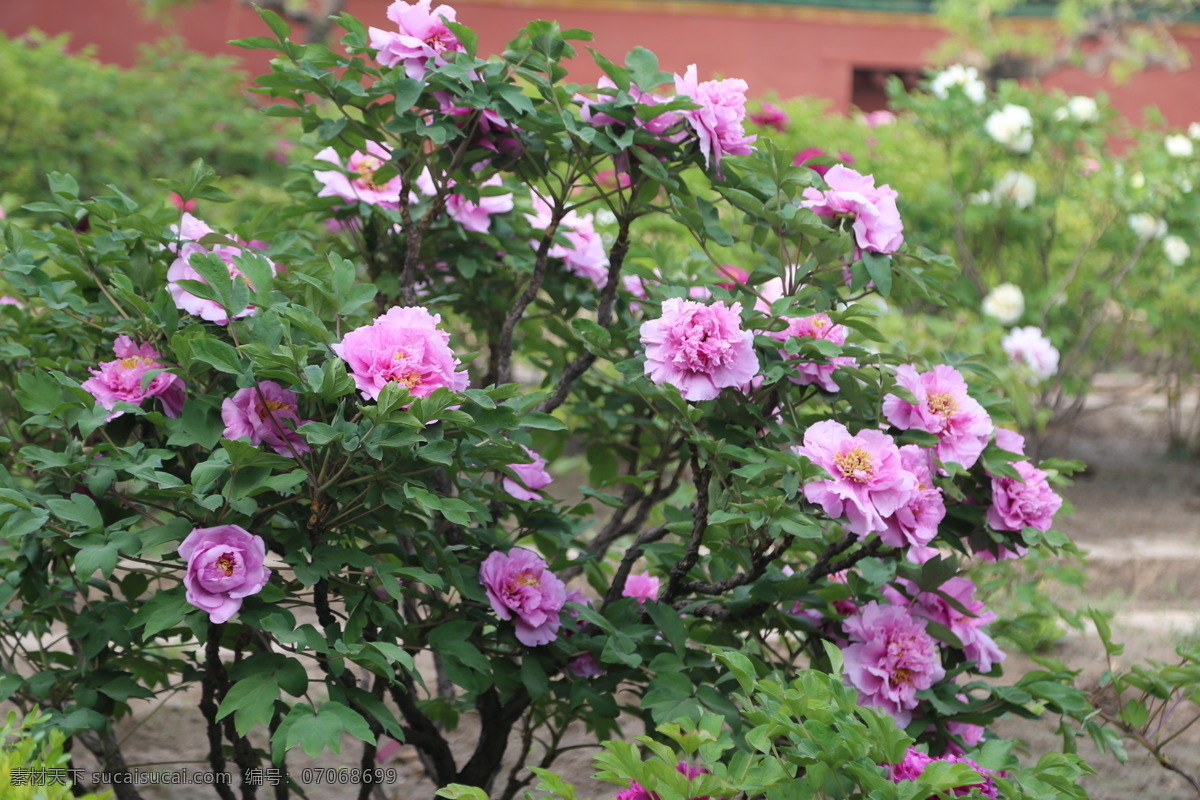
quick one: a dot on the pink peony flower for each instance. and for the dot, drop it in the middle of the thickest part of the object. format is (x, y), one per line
(584, 253)
(189, 232)
(915, 524)
(867, 480)
(968, 627)
(585, 666)
(845, 608)
(700, 349)
(915, 762)
(403, 345)
(809, 153)
(817, 326)
(1010, 441)
(225, 564)
(477, 217)
(643, 586)
(970, 734)
(6, 300)
(890, 659)
(265, 414)
(638, 792)
(877, 225)
(658, 125)
(735, 274)
(771, 116)
(486, 127)
(1029, 502)
(1028, 347)
(120, 381)
(876, 119)
(181, 204)
(533, 477)
(423, 37)
(718, 122)
(362, 187)
(519, 585)
(944, 409)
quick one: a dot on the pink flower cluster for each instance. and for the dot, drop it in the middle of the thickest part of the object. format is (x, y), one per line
(423, 36)
(533, 477)
(584, 252)
(521, 587)
(966, 625)
(404, 345)
(225, 565)
(190, 231)
(265, 414)
(719, 122)
(363, 187)
(890, 659)
(944, 409)
(699, 349)
(877, 225)
(771, 116)
(915, 762)
(120, 381)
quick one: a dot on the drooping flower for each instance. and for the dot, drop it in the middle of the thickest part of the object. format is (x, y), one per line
(584, 252)
(699, 349)
(403, 345)
(120, 381)
(1011, 126)
(867, 480)
(915, 524)
(1176, 250)
(877, 225)
(533, 477)
(718, 122)
(1147, 226)
(1015, 188)
(265, 414)
(1080, 108)
(362, 188)
(521, 587)
(1029, 347)
(477, 217)
(944, 409)
(891, 657)
(817, 326)
(1028, 502)
(915, 762)
(771, 116)
(423, 36)
(190, 231)
(966, 625)
(225, 565)
(1179, 145)
(643, 586)
(1005, 303)
(964, 78)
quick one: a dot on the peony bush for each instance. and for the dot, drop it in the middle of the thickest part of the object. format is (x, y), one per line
(459, 431)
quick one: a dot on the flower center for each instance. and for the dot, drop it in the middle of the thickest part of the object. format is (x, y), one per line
(820, 323)
(902, 675)
(942, 404)
(856, 465)
(133, 362)
(226, 565)
(266, 409)
(366, 170)
(408, 379)
(526, 579)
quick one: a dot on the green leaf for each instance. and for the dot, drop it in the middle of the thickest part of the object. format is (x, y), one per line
(96, 557)
(162, 611)
(251, 701)
(80, 508)
(275, 23)
(879, 267)
(218, 353)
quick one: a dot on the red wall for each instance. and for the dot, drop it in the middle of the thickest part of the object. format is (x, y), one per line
(790, 50)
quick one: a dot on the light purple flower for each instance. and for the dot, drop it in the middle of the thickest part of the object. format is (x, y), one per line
(422, 37)
(403, 345)
(638, 792)
(266, 414)
(584, 252)
(719, 122)
(1029, 502)
(120, 381)
(877, 225)
(1029, 347)
(643, 586)
(867, 480)
(520, 587)
(533, 477)
(817, 326)
(915, 762)
(771, 116)
(363, 187)
(585, 666)
(225, 564)
(656, 125)
(190, 231)
(699, 349)
(8, 300)
(477, 217)
(876, 119)
(915, 524)
(890, 659)
(944, 409)
(968, 627)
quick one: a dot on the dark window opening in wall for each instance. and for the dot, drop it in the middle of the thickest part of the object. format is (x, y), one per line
(869, 91)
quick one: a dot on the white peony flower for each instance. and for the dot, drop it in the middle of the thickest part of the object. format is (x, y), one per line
(966, 78)
(1194, 130)
(1011, 126)
(1029, 347)
(1137, 181)
(1176, 250)
(1147, 226)
(1179, 146)
(1080, 108)
(1005, 303)
(981, 198)
(1015, 188)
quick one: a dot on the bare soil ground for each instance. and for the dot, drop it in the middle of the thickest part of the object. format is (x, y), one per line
(1136, 515)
